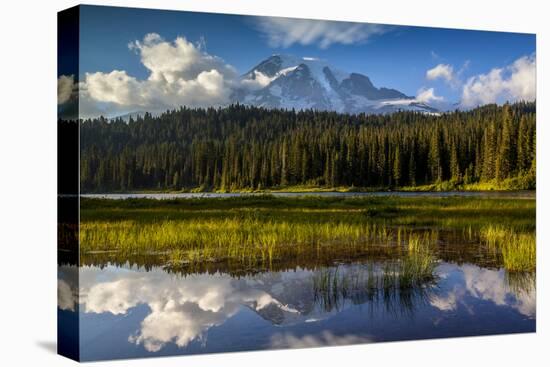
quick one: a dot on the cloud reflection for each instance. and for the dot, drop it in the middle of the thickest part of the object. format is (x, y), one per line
(326, 338)
(182, 309)
(488, 285)
(66, 296)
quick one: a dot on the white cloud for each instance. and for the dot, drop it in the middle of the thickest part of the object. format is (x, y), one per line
(259, 81)
(178, 60)
(441, 71)
(180, 73)
(116, 87)
(284, 32)
(511, 83)
(65, 87)
(427, 95)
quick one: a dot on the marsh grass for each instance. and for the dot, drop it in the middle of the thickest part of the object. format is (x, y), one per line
(419, 263)
(518, 249)
(398, 280)
(448, 212)
(264, 230)
(523, 182)
(248, 240)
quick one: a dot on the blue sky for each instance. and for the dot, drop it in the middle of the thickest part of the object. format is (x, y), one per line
(392, 56)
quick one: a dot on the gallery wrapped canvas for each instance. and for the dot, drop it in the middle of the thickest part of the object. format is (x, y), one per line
(235, 183)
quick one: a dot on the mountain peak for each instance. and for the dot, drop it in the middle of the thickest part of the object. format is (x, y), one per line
(288, 81)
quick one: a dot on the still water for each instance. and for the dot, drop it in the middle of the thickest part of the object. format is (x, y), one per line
(188, 195)
(129, 311)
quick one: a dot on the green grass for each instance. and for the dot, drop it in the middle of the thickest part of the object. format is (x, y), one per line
(453, 211)
(526, 182)
(247, 239)
(261, 230)
(398, 279)
(518, 249)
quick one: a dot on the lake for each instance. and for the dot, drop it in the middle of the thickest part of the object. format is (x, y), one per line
(528, 194)
(128, 311)
(204, 275)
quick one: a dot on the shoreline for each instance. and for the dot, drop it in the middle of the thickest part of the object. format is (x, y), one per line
(309, 191)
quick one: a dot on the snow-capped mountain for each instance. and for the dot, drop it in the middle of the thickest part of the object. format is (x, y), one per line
(285, 81)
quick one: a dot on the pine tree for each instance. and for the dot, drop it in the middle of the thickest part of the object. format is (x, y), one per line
(412, 168)
(505, 158)
(455, 167)
(489, 143)
(523, 146)
(284, 165)
(397, 167)
(175, 180)
(334, 170)
(434, 160)
(241, 147)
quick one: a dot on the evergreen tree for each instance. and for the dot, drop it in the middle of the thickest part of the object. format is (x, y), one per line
(505, 158)
(397, 167)
(241, 147)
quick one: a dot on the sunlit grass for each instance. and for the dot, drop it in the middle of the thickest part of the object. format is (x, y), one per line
(518, 249)
(247, 239)
(266, 229)
(419, 264)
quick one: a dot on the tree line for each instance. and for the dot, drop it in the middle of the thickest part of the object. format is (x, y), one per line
(242, 147)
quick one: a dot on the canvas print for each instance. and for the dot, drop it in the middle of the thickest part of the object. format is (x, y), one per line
(235, 183)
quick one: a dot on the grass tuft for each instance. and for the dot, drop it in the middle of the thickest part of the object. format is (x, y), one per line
(518, 249)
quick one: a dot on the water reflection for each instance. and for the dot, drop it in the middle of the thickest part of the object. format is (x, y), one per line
(130, 312)
(488, 285)
(182, 309)
(67, 287)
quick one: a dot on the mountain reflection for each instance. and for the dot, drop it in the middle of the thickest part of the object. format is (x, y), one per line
(182, 309)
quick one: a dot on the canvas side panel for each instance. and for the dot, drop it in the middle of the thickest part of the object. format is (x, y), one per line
(68, 183)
